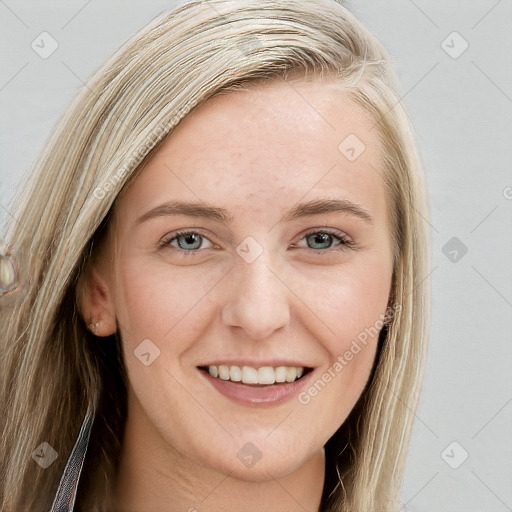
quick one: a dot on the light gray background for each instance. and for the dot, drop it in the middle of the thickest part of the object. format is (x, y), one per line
(462, 110)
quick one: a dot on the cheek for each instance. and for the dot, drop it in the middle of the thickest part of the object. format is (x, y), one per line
(160, 310)
(351, 311)
(349, 301)
(155, 301)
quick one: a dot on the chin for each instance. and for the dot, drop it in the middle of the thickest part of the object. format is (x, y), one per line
(261, 461)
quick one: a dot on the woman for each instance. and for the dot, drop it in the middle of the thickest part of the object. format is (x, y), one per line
(223, 307)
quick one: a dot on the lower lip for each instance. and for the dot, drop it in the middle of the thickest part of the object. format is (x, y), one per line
(258, 395)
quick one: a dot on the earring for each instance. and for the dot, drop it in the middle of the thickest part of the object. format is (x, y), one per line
(93, 327)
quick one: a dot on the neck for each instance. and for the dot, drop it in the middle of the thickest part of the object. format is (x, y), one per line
(153, 476)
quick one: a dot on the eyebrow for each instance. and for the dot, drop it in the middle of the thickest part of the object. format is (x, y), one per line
(314, 207)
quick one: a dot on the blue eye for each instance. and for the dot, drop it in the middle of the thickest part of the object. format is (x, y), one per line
(321, 240)
(187, 241)
(325, 240)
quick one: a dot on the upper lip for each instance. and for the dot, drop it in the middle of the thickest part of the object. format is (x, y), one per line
(256, 364)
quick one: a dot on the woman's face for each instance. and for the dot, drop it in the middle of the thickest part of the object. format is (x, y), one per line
(255, 241)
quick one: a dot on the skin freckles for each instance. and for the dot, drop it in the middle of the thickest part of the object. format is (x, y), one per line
(257, 153)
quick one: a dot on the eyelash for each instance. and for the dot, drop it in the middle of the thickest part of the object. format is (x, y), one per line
(344, 241)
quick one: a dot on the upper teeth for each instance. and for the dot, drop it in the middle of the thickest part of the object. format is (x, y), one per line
(250, 375)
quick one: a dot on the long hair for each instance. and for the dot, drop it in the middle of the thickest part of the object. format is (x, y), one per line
(52, 368)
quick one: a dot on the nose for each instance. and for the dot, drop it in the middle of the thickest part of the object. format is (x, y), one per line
(258, 300)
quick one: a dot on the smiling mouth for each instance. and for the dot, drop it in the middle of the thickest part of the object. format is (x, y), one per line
(251, 376)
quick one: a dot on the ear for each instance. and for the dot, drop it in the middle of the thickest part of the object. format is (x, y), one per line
(95, 301)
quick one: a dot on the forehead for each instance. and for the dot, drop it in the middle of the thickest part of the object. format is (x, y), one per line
(264, 148)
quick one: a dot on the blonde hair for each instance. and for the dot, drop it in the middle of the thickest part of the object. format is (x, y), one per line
(52, 367)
